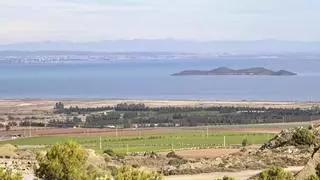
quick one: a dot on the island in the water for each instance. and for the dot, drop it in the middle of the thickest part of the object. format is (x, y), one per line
(256, 71)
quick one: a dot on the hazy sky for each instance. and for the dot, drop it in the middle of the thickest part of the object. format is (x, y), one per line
(90, 20)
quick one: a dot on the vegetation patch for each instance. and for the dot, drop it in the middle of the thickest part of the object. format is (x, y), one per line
(275, 173)
(8, 151)
(7, 174)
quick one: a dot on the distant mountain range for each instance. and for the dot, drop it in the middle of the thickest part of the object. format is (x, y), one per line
(256, 71)
(169, 45)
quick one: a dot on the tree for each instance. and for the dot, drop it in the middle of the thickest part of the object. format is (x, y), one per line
(9, 175)
(59, 107)
(7, 127)
(64, 161)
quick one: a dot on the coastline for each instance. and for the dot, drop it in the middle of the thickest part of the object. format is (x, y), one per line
(47, 104)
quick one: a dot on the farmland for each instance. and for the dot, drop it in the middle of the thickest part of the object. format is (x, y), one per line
(152, 142)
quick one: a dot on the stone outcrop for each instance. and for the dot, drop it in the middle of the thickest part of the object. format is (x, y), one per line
(311, 167)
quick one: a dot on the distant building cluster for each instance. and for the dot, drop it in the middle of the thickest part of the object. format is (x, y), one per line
(78, 57)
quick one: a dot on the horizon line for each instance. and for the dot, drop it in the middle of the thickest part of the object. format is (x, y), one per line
(159, 39)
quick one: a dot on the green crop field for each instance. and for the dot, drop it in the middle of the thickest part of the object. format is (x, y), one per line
(151, 142)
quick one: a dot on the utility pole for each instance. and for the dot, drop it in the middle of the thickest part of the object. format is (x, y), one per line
(116, 131)
(172, 143)
(207, 131)
(127, 149)
(100, 143)
(29, 128)
(224, 141)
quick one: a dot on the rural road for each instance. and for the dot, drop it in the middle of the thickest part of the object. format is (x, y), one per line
(241, 175)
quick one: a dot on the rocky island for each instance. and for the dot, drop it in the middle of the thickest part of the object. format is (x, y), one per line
(256, 71)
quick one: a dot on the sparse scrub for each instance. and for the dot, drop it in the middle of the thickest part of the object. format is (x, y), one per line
(173, 154)
(226, 178)
(9, 175)
(130, 173)
(244, 142)
(113, 154)
(303, 136)
(313, 177)
(177, 162)
(275, 173)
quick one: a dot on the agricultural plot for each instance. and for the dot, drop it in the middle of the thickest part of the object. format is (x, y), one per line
(151, 142)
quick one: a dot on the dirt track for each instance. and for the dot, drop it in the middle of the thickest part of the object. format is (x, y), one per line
(242, 175)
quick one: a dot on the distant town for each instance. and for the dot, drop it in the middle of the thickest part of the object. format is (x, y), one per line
(66, 57)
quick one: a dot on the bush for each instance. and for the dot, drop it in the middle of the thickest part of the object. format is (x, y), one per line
(226, 178)
(313, 177)
(9, 175)
(110, 152)
(275, 173)
(113, 154)
(96, 173)
(172, 154)
(65, 161)
(303, 136)
(318, 170)
(130, 173)
(177, 162)
(244, 142)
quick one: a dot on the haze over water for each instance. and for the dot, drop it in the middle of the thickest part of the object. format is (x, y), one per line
(152, 80)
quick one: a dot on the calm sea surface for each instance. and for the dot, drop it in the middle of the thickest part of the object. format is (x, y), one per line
(152, 80)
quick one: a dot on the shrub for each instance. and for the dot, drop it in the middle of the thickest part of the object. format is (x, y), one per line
(318, 170)
(96, 173)
(313, 177)
(130, 173)
(303, 136)
(172, 154)
(65, 161)
(275, 173)
(62, 161)
(113, 154)
(110, 152)
(226, 178)
(177, 162)
(244, 142)
(9, 175)
(113, 170)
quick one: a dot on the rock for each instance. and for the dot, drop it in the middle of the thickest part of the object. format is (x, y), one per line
(282, 139)
(311, 167)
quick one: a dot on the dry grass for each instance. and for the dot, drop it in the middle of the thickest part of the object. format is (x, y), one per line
(8, 150)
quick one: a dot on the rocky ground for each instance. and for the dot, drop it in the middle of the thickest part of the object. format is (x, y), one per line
(246, 159)
(282, 151)
(18, 160)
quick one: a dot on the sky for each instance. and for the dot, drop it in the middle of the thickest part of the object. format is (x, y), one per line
(197, 20)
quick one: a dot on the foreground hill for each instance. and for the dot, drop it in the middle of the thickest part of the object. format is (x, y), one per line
(257, 71)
